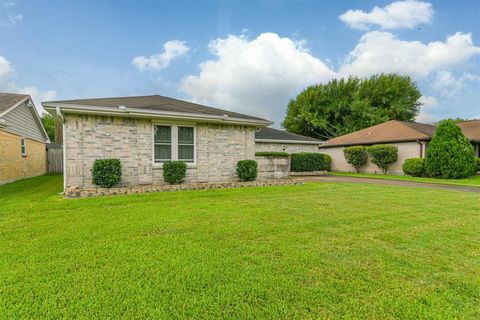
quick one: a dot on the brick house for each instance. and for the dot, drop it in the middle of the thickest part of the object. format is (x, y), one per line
(145, 131)
(270, 139)
(22, 138)
(411, 139)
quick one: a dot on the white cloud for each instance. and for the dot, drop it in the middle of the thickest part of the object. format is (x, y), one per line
(399, 14)
(449, 86)
(379, 52)
(256, 76)
(426, 117)
(171, 50)
(7, 17)
(428, 101)
(8, 85)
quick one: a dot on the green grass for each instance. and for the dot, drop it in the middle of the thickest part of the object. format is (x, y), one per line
(473, 182)
(321, 250)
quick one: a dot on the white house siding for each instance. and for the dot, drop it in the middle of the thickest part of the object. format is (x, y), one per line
(22, 122)
(286, 147)
(406, 150)
(88, 137)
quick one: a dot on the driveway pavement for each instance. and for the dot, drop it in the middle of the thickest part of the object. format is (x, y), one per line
(401, 183)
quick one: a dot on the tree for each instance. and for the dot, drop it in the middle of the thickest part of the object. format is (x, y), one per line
(342, 106)
(48, 122)
(357, 156)
(449, 153)
(383, 155)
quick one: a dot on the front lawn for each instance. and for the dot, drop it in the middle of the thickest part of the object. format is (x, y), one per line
(473, 182)
(321, 250)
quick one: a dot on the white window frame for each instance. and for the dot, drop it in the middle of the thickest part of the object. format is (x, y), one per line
(23, 147)
(174, 142)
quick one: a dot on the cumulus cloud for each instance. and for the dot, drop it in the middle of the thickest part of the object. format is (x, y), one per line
(7, 17)
(8, 85)
(428, 103)
(449, 86)
(171, 50)
(399, 14)
(379, 52)
(256, 76)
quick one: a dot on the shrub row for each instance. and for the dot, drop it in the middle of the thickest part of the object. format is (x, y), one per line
(272, 154)
(306, 161)
(382, 155)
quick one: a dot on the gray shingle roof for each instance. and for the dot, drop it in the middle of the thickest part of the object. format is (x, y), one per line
(154, 103)
(8, 100)
(275, 134)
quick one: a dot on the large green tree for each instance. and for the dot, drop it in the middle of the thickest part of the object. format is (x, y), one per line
(48, 122)
(342, 106)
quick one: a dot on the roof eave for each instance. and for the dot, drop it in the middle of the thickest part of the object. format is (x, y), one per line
(289, 141)
(136, 112)
(326, 145)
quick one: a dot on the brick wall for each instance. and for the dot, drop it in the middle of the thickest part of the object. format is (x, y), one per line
(273, 167)
(13, 165)
(89, 137)
(286, 147)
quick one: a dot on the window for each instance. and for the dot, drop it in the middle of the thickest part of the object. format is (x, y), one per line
(172, 142)
(23, 147)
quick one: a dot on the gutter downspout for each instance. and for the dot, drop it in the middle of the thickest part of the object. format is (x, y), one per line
(421, 148)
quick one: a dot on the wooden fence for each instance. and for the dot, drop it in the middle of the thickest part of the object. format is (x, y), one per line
(55, 160)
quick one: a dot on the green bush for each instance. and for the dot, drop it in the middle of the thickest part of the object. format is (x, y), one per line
(272, 154)
(247, 170)
(106, 172)
(174, 172)
(306, 161)
(357, 156)
(478, 164)
(450, 154)
(383, 155)
(414, 167)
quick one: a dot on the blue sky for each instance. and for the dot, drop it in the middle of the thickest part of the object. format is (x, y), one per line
(250, 57)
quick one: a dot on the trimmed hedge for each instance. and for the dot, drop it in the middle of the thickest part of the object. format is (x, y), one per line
(174, 172)
(383, 155)
(357, 156)
(414, 167)
(272, 154)
(106, 173)
(478, 164)
(309, 161)
(450, 154)
(247, 170)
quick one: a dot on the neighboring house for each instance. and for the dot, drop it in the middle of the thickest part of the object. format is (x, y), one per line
(411, 138)
(269, 139)
(143, 132)
(22, 138)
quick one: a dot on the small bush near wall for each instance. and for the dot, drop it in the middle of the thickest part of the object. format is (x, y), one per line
(383, 155)
(478, 164)
(414, 167)
(106, 173)
(174, 172)
(307, 162)
(247, 170)
(272, 154)
(357, 156)
(450, 154)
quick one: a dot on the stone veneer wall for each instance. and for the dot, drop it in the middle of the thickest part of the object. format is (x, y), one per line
(89, 137)
(273, 167)
(286, 147)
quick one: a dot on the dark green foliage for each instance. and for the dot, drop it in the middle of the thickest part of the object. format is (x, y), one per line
(106, 173)
(357, 156)
(48, 122)
(174, 172)
(383, 155)
(272, 154)
(247, 170)
(414, 167)
(478, 164)
(450, 154)
(307, 162)
(342, 106)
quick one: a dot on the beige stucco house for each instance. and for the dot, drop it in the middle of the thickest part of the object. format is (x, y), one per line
(22, 138)
(410, 138)
(145, 131)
